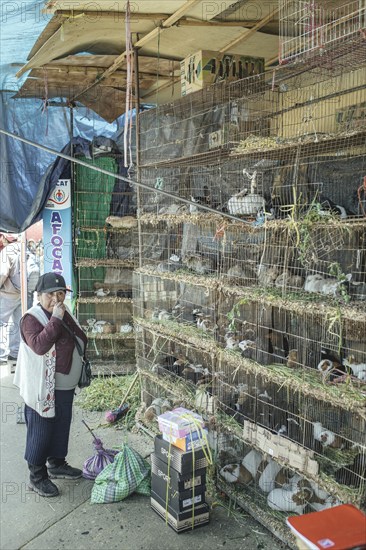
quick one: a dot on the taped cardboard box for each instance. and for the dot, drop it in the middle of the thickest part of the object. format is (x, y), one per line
(183, 462)
(179, 501)
(181, 521)
(279, 447)
(177, 482)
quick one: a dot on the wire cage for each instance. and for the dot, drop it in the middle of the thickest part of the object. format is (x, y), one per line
(279, 162)
(296, 334)
(105, 251)
(180, 243)
(322, 442)
(320, 29)
(267, 486)
(175, 303)
(174, 369)
(199, 122)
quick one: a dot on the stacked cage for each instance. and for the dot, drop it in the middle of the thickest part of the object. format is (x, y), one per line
(321, 33)
(250, 297)
(105, 252)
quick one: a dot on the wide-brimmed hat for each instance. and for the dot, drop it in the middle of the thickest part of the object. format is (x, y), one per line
(50, 282)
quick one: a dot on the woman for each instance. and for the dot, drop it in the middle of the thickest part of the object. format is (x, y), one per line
(47, 373)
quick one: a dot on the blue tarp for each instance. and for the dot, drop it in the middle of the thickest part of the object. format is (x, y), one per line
(24, 189)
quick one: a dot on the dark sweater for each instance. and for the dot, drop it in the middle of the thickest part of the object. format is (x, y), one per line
(40, 339)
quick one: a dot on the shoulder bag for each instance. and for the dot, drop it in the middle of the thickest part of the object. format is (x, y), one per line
(86, 373)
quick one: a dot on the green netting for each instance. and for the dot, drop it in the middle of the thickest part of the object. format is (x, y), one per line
(90, 244)
(93, 192)
(87, 277)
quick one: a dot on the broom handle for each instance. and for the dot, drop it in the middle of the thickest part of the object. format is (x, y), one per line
(129, 389)
(85, 424)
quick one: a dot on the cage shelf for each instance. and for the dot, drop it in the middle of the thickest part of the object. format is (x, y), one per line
(106, 300)
(309, 383)
(105, 229)
(104, 262)
(111, 336)
(305, 146)
(318, 303)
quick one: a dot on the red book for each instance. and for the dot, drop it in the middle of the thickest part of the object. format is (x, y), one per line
(339, 528)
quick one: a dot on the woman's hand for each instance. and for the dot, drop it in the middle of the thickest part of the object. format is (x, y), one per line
(59, 310)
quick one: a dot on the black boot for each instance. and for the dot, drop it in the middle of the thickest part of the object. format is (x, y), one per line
(40, 482)
(58, 468)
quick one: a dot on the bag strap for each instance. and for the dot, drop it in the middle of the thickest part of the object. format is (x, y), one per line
(77, 344)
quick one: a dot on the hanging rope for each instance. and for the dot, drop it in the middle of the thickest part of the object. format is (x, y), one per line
(45, 101)
(129, 80)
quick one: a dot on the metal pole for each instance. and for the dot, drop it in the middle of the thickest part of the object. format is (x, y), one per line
(123, 178)
(138, 170)
(23, 273)
(72, 186)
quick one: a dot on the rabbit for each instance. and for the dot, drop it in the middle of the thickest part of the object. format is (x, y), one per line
(101, 292)
(199, 264)
(321, 500)
(169, 266)
(236, 272)
(282, 280)
(317, 283)
(267, 275)
(286, 500)
(126, 222)
(173, 209)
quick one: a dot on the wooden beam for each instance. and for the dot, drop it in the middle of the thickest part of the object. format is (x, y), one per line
(180, 12)
(250, 33)
(135, 16)
(184, 22)
(147, 38)
(116, 14)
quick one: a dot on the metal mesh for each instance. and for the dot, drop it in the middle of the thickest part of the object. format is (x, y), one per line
(270, 303)
(105, 253)
(320, 32)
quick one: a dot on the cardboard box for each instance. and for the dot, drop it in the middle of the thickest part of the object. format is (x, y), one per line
(281, 448)
(183, 462)
(180, 521)
(180, 422)
(179, 501)
(195, 439)
(205, 67)
(178, 482)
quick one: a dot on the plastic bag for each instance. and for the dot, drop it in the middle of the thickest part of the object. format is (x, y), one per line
(129, 473)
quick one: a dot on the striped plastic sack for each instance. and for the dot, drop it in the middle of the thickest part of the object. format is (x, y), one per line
(129, 473)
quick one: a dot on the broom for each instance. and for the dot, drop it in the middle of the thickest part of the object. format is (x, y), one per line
(119, 412)
(96, 463)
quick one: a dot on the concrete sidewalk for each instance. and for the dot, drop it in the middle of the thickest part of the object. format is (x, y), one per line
(70, 521)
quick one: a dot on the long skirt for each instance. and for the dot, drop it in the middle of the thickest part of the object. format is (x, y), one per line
(49, 437)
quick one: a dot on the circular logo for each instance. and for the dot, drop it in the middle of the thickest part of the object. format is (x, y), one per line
(59, 196)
